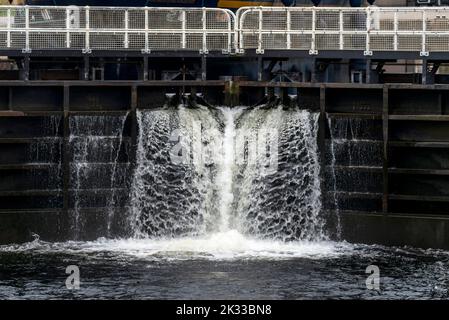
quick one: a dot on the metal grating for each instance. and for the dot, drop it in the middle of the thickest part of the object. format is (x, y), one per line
(369, 29)
(100, 28)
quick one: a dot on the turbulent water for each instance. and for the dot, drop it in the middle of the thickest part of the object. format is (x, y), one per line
(202, 171)
(224, 203)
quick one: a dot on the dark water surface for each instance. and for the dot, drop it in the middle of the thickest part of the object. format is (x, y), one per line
(245, 269)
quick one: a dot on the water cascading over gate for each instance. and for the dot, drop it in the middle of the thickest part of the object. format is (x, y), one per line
(202, 171)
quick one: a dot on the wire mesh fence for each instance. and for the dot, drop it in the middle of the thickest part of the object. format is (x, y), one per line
(100, 28)
(369, 29)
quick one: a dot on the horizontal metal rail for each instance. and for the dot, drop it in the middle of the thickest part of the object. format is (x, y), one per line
(369, 29)
(110, 28)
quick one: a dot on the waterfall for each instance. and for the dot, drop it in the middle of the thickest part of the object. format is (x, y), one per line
(95, 143)
(239, 171)
(278, 194)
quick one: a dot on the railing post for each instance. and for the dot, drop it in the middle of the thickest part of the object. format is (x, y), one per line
(204, 50)
(67, 26)
(289, 22)
(424, 52)
(313, 43)
(368, 51)
(147, 40)
(184, 27)
(87, 35)
(27, 30)
(341, 44)
(126, 42)
(260, 39)
(8, 35)
(395, 26)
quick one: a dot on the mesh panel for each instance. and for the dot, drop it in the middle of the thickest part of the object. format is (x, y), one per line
(164, 41)
(274, 41)
(18, 40)
(165, 19)
(437, 43)
(249, 41)
(216, 41)
(47, 40)
(3, 39)
(274, 20)
(47, 18)
(327, 41)
(301, 41)
(301, 20)
(382, 42)
(354, 42)
(136, 41)
(106, 19)
(409, 43)
(327, 20)
(136, 19)
(107, 41)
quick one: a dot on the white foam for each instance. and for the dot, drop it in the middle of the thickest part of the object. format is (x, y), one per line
(227, 245)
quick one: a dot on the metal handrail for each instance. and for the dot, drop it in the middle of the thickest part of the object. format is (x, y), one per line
(117, 28)
(423, 29)
(370, 29)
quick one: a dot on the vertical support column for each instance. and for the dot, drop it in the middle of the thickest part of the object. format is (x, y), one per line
(322, 134)
(66, 150)
(26, 68)
(86, 68)
(259, 68)
(145, 68)
(313, 71)
(203, 67)
(385, 111)
(10, 97)
(368, 71)
(424, 71)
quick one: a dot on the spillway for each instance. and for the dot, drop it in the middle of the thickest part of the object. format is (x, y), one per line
(202, 171)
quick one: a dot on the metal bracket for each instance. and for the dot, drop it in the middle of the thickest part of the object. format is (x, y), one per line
(145, 51)
(225, 51)
(424, 54)
(26, 50)
(87, 51)
(313, 52)
(367, 53)
(205, 51)
(260, 51)
(239, 51)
